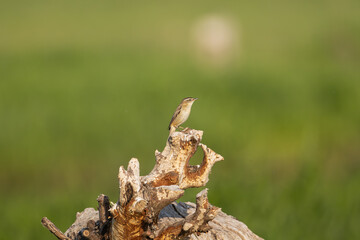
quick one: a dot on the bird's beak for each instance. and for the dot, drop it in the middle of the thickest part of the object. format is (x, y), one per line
(194, 99)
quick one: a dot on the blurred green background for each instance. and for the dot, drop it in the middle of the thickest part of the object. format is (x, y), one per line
(86, 85)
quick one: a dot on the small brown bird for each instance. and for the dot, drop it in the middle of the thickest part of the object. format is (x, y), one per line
(181, 114)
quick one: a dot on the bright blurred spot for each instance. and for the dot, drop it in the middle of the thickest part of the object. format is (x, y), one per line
(216, 40)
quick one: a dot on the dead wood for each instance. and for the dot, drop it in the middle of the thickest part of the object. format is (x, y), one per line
(146, 207)
(53, 229)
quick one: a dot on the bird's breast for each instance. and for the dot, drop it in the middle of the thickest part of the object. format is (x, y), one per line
(182, 117)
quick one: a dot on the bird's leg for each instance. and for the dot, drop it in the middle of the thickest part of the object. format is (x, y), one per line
(186, 130)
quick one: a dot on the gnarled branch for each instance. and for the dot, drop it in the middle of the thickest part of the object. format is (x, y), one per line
(146, 207)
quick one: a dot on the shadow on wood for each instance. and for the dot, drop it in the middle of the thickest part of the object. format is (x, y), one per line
(146, 207)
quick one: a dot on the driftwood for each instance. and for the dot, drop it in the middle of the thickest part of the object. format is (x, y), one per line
(146, 207)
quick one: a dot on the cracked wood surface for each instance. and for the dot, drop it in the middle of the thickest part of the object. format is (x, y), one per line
(142, 198)
(222, 227)
(146, 207)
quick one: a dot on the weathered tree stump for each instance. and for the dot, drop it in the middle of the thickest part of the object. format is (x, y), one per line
(146, 207)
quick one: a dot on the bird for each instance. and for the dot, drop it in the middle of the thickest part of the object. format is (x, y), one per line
(181, 114)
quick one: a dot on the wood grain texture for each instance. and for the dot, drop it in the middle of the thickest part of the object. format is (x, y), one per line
(53, 229)
(223, 226)
(146, 207)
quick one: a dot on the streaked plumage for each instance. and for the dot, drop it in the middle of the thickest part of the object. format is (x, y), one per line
(181, 114)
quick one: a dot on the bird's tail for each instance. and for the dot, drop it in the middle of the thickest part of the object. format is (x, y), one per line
(172, 129)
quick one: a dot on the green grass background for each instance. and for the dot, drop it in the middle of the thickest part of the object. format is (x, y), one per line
(86, 85)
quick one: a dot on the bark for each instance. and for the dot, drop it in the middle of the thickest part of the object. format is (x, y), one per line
(53, 229)
(146, 207)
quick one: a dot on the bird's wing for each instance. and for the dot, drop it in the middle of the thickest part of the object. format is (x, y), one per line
(177, 111)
